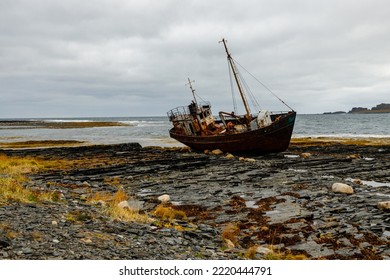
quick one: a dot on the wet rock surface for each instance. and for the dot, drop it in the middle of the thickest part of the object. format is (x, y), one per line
(280, 201)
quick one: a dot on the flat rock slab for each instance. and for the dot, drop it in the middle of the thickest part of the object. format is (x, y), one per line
(281, 201)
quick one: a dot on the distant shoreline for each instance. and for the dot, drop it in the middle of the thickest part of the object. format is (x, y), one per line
(382, 108)
(358, 112)
(26, 124)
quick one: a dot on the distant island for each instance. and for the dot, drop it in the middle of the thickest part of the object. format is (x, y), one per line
(378, 109)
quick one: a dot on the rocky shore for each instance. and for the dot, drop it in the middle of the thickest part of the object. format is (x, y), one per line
(222, 206)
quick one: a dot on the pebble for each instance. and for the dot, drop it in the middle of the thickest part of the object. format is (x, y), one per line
(165, 198)
(263, 250)
(342, 188)
(384, 205)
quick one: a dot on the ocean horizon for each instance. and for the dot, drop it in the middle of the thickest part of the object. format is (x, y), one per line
(153, 130)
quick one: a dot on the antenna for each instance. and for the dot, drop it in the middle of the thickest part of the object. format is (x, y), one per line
(192, 89)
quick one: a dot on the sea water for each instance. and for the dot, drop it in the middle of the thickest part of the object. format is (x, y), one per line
(153, 131)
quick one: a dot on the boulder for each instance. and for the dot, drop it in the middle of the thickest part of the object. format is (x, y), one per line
(342, 188)
(384, 205)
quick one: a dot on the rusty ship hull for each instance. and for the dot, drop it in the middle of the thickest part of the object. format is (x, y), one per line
(271, 139)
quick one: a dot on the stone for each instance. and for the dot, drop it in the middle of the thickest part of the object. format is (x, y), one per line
(357, 182)
(354, 156)
(305, 155)
(384, 205)
(135, 205)
(263, 250)
(314, 249)
(342, 188)
(27, 250)
(229, 156)
(165, 198)
(85, 184)
(101, 203)
(86, 240)
(217, 152)
(386, 234)
(123, 204)
(229, 244)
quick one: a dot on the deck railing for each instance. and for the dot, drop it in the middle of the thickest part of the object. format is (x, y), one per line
(183, 112)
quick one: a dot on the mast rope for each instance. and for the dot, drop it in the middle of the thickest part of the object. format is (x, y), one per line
(252, 98)
(232, 88)
(263, 85)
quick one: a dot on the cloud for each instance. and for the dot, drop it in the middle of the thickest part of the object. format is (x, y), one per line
(122, 58)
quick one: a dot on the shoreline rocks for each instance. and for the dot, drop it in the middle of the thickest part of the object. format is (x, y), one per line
(277, 202)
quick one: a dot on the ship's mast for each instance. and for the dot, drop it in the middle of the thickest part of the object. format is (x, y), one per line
(192, 90)
(236, 77)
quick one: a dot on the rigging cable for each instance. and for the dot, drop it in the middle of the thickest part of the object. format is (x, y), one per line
(232, 89)
(200, 98)
(264, 86)
(252, 98)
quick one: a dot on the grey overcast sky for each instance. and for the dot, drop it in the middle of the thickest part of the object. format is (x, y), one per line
(132, 58)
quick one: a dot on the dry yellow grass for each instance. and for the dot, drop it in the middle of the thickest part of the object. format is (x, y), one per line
(250, 253)
(13, 172)
(231, 232)
(168, 213)
(110, 207)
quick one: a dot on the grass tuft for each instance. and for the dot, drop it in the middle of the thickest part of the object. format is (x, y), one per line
(110, 207)
(168, 213)
(13, 171)
(231, 232)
